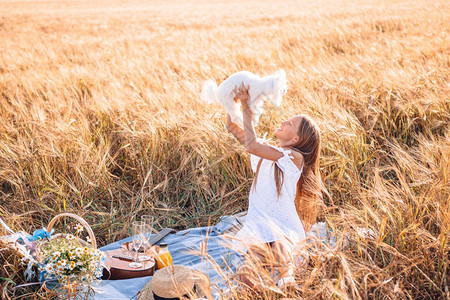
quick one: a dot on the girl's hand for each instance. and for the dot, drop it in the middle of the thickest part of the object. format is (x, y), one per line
(242, 93)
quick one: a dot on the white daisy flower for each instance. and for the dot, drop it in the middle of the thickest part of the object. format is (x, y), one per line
(70, 237)
(79, 228)
(62, 262)
(72, 255)
(50, 269)
(79, 251)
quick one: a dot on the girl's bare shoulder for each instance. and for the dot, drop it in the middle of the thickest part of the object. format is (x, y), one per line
(298, 158)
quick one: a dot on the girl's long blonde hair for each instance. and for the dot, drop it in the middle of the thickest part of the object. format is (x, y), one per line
(310, 188)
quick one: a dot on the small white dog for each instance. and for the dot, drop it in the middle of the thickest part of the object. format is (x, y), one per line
(273, 87)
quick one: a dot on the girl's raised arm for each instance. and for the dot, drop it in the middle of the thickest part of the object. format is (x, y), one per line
(235, 130)
(251, 144)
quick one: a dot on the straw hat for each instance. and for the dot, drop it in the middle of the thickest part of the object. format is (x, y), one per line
(178, 283)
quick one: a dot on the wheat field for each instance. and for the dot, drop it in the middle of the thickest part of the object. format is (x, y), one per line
(100, 116)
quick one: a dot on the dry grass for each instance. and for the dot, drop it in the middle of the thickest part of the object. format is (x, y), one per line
(99, 116)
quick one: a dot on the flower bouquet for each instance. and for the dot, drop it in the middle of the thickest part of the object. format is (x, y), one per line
(68, 261)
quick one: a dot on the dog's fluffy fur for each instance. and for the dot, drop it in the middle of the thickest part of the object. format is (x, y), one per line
(273, 87)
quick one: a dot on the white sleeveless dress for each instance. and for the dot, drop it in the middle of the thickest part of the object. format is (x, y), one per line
(269, 217)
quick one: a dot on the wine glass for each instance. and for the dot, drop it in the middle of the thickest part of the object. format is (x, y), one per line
(147, 233)
(137, 228)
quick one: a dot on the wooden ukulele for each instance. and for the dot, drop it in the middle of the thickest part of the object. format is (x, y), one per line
(118, 260)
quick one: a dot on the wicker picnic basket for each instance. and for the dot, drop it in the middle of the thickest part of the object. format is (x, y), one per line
(38, 253)
(65, 236)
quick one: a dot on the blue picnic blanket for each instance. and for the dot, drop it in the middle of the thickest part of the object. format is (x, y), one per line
(185, 247)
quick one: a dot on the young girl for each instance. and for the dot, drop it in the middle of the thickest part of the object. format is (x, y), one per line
(286, 189)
